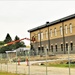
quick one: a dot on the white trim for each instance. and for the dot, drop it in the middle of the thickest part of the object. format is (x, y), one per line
(66, 42)
(71, 41)
(61, 42)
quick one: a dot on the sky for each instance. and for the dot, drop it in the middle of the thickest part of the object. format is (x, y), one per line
(19, 16)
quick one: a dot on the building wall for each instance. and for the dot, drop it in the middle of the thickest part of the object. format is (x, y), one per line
(57, 26)
(73, 26)
(59, 39)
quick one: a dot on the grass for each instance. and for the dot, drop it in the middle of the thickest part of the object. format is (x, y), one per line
(6, 73)
(62, 65)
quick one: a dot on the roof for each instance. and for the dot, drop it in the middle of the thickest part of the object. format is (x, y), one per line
(52, 23)
(21, 48)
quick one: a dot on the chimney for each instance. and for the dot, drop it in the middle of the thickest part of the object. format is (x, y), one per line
(47, 22)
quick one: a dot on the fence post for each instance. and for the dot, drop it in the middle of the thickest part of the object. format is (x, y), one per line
(29, 62)
(46, 59)
(7, 62)
(1, 62)
(69, 60)
(16, 61)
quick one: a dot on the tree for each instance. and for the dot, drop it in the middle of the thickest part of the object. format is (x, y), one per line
(10, 47)
(1, 43)
(7, 40)
(19, 44)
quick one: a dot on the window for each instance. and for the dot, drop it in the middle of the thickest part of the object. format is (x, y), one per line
(55, 32)
(52, 48)
(66, 46)
(61, 47)
(41, 35)
(71, 44)
(47, 50)
(38, 50)
(42, 49)
(70, 28)
(66, 29)
(38, 36)
(51, 32)
(33, 38)
(46, 34)
(56, 47)
(31, 46)
(60, 30)
(47, 46)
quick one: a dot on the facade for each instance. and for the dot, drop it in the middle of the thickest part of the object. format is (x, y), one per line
(56, 37)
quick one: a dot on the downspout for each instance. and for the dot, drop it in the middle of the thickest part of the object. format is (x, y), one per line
(48, 39)
(63, 37)
(48, 36)
(40, 39)
(30, 41)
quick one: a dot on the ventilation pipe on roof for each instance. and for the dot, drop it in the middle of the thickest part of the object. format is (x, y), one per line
(47, 22)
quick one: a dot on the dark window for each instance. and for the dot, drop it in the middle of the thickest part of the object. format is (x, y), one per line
(52, 48)
(56, 47)
(61, 47)
(66, 46)
(31, 46)
(47, 50)
(71, 46)
(42, 49)
(38, 50)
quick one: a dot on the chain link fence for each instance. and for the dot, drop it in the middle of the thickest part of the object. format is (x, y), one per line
(30, 63)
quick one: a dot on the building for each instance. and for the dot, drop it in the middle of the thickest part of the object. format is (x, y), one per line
(55, 37)
(22, 51)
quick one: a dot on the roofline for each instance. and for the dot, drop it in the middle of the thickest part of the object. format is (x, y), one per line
(53, 22)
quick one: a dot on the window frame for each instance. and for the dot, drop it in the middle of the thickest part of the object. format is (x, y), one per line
(66, 29)
(70, 27)
(61, 31)
(56, 47)
(38, 36)
(55, 31)
(50, 32)
(71, 46)
(46, 32)
(52, 48)
(61, 46)
(66, 46)
(41, 35)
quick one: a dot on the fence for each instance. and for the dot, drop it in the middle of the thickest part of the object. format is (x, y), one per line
(31, 64)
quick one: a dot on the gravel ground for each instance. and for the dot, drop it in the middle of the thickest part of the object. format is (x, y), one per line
(36, 70)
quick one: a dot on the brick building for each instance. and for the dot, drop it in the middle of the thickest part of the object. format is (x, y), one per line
(55, 37)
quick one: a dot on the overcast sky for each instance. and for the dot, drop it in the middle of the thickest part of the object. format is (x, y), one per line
(17, 17)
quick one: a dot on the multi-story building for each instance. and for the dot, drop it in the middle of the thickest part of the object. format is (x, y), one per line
(57, 37)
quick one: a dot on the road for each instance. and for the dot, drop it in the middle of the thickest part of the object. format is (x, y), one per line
(40, 61)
